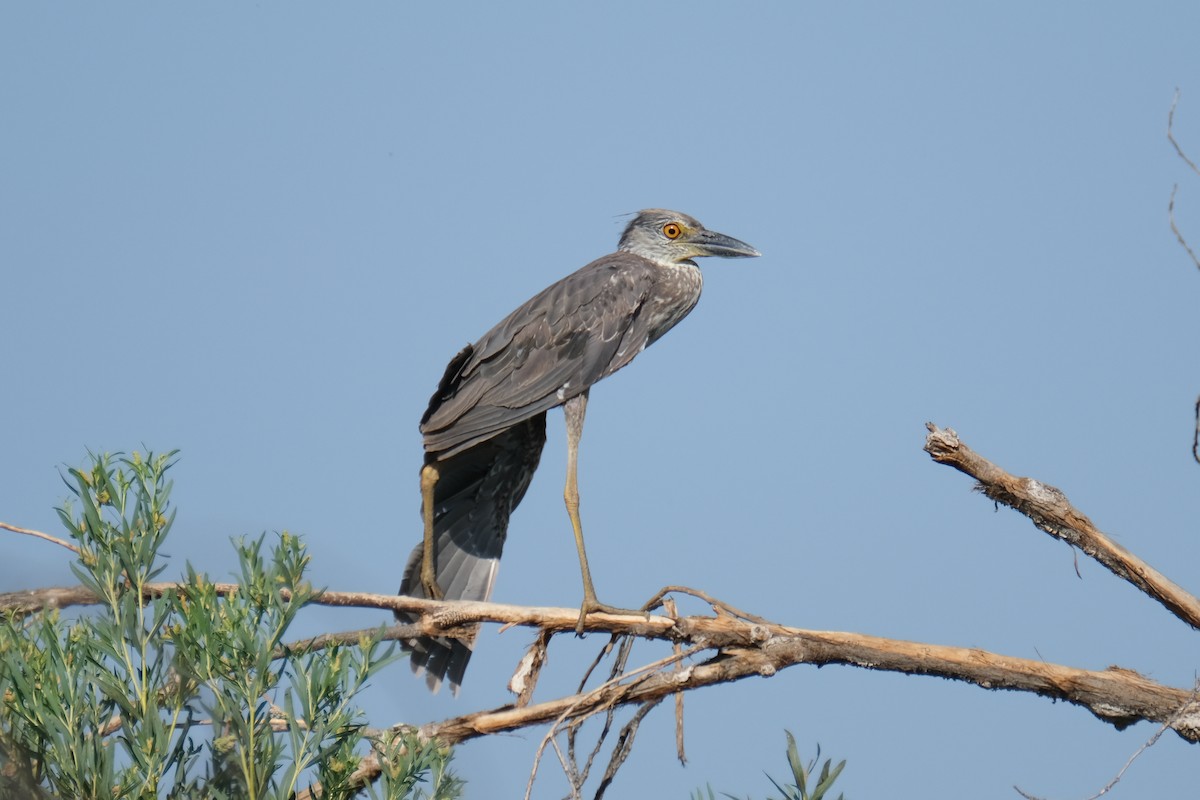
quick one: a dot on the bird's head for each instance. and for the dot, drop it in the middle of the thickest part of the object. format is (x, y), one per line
(668, 237)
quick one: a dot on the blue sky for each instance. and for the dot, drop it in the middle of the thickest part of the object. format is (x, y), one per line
(257, 234)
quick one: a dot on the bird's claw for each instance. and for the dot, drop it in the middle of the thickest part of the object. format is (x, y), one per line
(430, 586)
(593, 606)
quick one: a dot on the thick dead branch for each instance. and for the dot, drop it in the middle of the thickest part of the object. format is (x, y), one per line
(1049, 509)
(31, 601)
(746, 648)
(1117, 696)
(736, 645)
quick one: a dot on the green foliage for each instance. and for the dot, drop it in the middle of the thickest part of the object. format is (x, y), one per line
(190, 694)
(408, 763)
(801, 777)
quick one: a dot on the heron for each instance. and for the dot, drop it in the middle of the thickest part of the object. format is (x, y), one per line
(485, 426)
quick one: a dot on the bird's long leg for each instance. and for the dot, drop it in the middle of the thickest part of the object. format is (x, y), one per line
(429, 479)
(574, 410)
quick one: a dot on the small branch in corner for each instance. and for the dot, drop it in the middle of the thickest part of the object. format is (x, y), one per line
(1049, 510)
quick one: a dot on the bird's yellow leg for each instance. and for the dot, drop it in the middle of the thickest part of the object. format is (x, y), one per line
(574, 410)
(429, 479)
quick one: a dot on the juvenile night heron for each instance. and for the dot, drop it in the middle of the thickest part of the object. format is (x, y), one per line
(486, 423)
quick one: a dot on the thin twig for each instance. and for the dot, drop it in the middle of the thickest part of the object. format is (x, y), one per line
(1182, 241)
(1196, 435)
(676, 647)
(718, 605)
(1171, 203)
(619, 666)
(624, 746)
(1171, 134)
(604, 651)
(525, 677)
(1175, 228)
(613, 692)
(620, 663)
(40, 535)
(1146, 745)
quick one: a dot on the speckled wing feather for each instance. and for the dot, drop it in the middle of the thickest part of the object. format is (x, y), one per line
(555, 346)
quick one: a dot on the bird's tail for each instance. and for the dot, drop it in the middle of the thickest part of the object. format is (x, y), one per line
(475, 494)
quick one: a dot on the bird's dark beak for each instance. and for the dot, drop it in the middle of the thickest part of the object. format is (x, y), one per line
(711, 243)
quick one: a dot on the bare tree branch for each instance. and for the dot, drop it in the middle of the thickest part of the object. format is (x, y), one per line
(1174, 189)
(745, 648)
(1117, 696)
(1175, 228)
(677, 649)
(1196, 435)
(1180, 238)
(731, 644)
(1049, 509)
(441, 618)
(742, 648)
(1171, 134)
(40, 535)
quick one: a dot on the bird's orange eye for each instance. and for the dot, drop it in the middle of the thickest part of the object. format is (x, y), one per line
(672, 230)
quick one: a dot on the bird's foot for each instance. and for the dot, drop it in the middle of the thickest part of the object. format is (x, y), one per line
(430, 586)
(593, 605)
